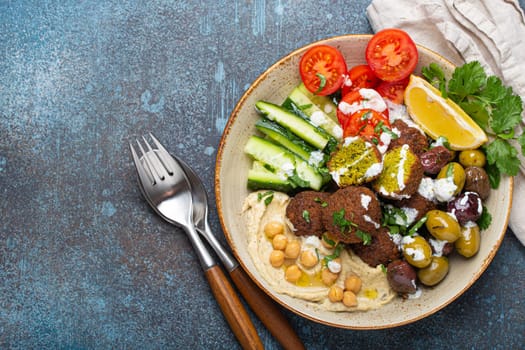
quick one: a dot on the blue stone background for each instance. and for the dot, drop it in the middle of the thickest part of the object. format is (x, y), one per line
(84, 263)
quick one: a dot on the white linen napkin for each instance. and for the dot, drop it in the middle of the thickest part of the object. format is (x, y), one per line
(489, 31)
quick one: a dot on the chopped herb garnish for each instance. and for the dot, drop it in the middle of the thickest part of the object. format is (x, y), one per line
(365, 237)
(337, 252)
(417, 225)
(306, 106)
(442, 140)
(323, 203)
(328, 240)
(366, 115)
(378, 127)
(341, 222)
(267, 196)
(322, 82)
(383, 268)
(306, 216)
(396, 220)
(392, 134)
(450, 170)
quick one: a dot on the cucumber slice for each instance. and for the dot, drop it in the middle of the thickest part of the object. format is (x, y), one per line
(280, 160)
(284, 163)
(324, 103)
(311, 178)
(259, 177)
(285, 138)
(316, 116)
(299, 126)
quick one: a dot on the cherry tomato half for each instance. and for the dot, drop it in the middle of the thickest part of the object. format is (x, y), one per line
(393, 90)
(367, 123)
(360, 76)
(354, 101)
(391, 54)
(322, 69)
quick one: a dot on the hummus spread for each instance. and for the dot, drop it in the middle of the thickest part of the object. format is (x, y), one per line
(257, 212)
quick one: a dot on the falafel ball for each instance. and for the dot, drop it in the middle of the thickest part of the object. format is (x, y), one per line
(417, 206)
(352, 213)
(304, 211)
(402, 173)
(409, 135)
(381, 250)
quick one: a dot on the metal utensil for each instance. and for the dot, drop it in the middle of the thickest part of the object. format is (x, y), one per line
(168, 191)
(266, 309)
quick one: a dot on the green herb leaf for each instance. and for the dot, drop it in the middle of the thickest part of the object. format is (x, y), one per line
(493, 174)
(485, 219)
(328, 240)
(365, 237)
(417, 225)
(436, 77)
(322, 82)
(306, 216)
(494, 107)
(340, 220)
(321, 202)
(500, 153)
(267, 196)
(466, 80)
(334, 255)
(521, 141)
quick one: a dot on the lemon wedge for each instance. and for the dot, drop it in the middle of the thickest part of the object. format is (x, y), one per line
(439, 116)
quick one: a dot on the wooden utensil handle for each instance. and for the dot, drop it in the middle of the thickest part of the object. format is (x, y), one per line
(267, 310)
(233, 309)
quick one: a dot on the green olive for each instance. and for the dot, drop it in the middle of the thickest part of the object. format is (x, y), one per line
(472, 157)
(417, 251)
(468, 243)
(434, 272)
(456, 171)
(443, 226)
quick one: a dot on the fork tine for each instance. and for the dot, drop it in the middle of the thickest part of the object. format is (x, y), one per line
(144, 175)
(163, 154)
(147, 157)
(160, 159)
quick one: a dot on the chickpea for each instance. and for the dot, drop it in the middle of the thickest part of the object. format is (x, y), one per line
(473, 157)
(309, 258)
(328, 277)
(353, 283)
(335, 294)
(277, 258)
(293, 273)
(349, 298)
(443, 226)
(279, 242)
(273, 228)
(292, 250)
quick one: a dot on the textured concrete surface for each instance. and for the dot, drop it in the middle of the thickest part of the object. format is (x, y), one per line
(84, 263)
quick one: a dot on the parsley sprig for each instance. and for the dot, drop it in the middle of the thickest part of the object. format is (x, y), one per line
(493, 106)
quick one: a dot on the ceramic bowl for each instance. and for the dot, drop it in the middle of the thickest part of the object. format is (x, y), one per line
(230, 186)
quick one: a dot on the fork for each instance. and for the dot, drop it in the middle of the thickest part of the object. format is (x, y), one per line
(167, 189)
(261, 304)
